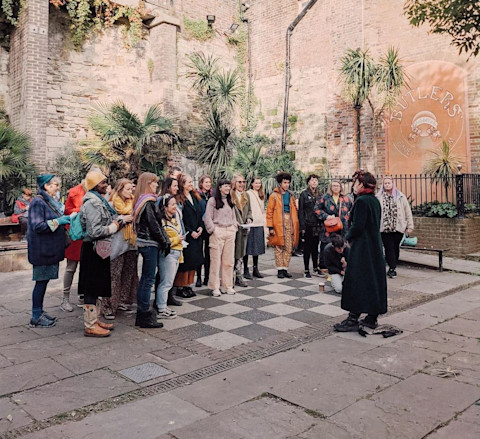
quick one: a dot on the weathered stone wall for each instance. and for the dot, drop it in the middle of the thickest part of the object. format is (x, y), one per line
(3, 78)
(460, 236)
(324, 125)
(105, 71)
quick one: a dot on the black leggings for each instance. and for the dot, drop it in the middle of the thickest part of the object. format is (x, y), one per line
(310, 247)
(391, 243)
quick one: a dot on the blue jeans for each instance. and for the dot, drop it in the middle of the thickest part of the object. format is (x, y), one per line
(37, 298)
(167, 269)
(149, 267)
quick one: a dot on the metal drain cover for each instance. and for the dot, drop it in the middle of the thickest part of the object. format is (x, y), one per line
(145, 372)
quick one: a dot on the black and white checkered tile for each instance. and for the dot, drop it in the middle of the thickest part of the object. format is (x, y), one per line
(266, 307)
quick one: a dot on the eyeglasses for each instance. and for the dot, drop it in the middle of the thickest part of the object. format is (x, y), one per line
(241, 181)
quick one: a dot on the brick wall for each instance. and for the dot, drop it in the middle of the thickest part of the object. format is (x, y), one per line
(325, 127)
(3, 78)
(461, 236)
(28, 75)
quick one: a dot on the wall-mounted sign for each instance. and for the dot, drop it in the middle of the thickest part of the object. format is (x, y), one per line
(433, 108)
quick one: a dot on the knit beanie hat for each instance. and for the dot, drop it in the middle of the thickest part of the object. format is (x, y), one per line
(43, 179)
(93, 178)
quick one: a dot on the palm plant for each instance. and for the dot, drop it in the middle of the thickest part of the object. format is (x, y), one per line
(215, 149)
(443, 166)
(126, 140)
(378, 83)
(219, 94)
(15, 165)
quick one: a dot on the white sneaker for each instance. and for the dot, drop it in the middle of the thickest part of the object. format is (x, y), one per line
(171, 311)
(65, 306)
(166, 314)
(230, 291)
(216, 293)
(109, 316)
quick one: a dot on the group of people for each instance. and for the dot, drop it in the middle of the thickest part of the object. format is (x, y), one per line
(179, 229)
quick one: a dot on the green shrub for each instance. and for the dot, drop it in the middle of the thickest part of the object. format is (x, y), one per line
(436, 209)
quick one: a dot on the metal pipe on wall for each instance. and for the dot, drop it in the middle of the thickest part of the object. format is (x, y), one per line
(290, 30)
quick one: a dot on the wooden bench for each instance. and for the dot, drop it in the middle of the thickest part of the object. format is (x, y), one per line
(8, 229)
(428, 249)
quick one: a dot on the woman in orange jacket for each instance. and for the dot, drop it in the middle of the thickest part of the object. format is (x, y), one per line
(282, 222)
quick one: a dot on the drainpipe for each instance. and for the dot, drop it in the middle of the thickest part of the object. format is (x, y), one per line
(290, 30)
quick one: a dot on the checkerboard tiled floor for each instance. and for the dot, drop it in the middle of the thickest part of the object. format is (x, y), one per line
(267, 307)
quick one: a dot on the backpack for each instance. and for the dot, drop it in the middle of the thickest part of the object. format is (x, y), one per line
(77, 231)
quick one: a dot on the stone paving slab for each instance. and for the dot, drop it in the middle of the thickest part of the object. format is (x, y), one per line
(264, 418)
(410, 409)
(37, 349)
(30, 375)
(465, 426)
(9, 336)
(71, 393)
(324, 429)
(142, 419)
(320, 391)
(459, 326)
(466, 364)
(12, 416)
(439, 341)
(397, 359)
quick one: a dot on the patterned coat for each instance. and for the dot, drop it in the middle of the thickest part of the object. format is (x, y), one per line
(243, 212)
(326, 206)
(44, 246)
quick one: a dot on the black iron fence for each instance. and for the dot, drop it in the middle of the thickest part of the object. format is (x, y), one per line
(455, 195)
(424, 192)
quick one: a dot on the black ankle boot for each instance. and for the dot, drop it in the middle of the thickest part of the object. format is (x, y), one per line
(280, 274)
(256, 273)
(369, 321)
(287, 274)
(171, 301)
(147, 319)
(350, 324)
(246, 274)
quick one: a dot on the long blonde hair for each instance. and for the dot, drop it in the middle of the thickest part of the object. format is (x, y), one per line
(143, 184)
(118, 189)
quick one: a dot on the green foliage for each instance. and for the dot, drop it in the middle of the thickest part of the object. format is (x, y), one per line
(10, 11)
(15, 148)
(96, 15)
(218, 94)
(125, 141)
(69, 166)
(252, 161)
(436, 209)
(198, 30)
(460, 19)
(15, 164)
(364, 79)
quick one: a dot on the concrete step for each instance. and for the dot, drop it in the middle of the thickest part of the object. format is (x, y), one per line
(473, 257)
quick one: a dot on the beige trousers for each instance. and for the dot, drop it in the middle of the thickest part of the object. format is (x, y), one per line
(283, 254)
(222, 257)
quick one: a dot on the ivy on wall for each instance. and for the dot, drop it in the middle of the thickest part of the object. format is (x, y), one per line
(197, 29)
(85, 16)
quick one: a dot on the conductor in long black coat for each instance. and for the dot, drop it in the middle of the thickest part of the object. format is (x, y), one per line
(365, 283)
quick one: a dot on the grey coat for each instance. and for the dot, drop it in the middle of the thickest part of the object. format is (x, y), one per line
(243, 215)
(95, 217)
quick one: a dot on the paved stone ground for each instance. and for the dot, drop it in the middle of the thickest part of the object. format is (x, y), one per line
(260, 364)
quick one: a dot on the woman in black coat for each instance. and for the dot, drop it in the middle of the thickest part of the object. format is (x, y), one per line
(191, 212)
(365, 284)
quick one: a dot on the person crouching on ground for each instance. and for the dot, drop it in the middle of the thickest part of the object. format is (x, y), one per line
(151, 239)
(282, 222)
(46, 244)
(221, 223)
(336, 256)
(168, 263)
(365, 283)
(100, 221)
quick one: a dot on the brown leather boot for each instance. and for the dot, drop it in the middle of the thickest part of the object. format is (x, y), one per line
(109, 326)
(92, 328)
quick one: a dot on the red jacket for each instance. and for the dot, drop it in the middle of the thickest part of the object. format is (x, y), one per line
(73, 204)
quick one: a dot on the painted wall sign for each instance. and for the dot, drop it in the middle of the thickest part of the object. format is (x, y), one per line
(433, 108)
